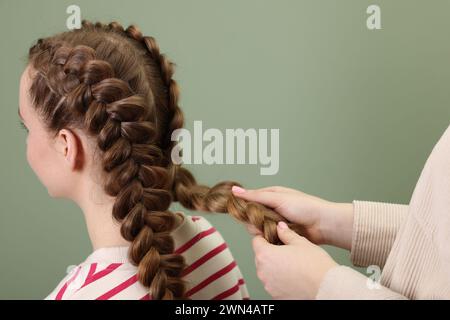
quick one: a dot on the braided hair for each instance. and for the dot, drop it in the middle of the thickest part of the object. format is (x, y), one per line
(115, 84)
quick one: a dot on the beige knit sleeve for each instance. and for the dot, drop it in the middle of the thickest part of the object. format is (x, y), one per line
(344, 283)
(375, 227)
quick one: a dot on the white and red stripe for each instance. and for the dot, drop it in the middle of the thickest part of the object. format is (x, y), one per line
(211, 272)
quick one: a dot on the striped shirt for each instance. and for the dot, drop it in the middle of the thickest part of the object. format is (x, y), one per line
(211, 272)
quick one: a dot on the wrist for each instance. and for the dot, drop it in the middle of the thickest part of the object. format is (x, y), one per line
(337, 224)
(322, 271)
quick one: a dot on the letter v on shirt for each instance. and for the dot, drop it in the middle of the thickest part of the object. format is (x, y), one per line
(211, 272)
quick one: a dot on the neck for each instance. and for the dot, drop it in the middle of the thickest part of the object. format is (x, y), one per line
(103, 230)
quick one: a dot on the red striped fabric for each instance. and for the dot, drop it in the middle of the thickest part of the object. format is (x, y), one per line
(146, 297)
(230, 291)
(118, 288)
(188, 270)
(92, 276)
(204, 259)
(202, 245)
(194, 240)
(64, 287)
(211, 278)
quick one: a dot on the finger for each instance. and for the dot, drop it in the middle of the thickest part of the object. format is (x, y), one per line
(268, 198)
(253, 230)
(278, 189)
(287, 235)
(259, 243)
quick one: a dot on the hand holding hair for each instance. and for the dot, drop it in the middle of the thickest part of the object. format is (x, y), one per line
(294, 270)
(220, 198)
(319, 220)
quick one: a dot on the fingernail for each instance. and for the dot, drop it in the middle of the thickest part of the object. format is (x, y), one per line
(282, 225)
(237, 189)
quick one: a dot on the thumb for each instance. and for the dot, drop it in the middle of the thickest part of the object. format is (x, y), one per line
(287, 235)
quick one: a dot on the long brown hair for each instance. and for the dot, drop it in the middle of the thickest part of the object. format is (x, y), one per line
(114, 84)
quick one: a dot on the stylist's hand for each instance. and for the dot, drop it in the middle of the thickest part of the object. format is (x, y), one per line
(291, 271)
(325, 222)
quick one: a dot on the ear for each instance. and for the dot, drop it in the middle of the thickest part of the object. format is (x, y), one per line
(68, 144)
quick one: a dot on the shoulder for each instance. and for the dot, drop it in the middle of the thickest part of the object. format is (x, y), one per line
(100, 281)
(211, 271)
(194, 220)
(191, 232)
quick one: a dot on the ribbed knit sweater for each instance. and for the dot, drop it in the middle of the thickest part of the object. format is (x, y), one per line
(410, 243)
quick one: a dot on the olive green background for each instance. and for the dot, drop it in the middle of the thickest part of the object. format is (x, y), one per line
(358, 111)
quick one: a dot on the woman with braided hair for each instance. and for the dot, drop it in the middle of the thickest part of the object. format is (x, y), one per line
(100, 105)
